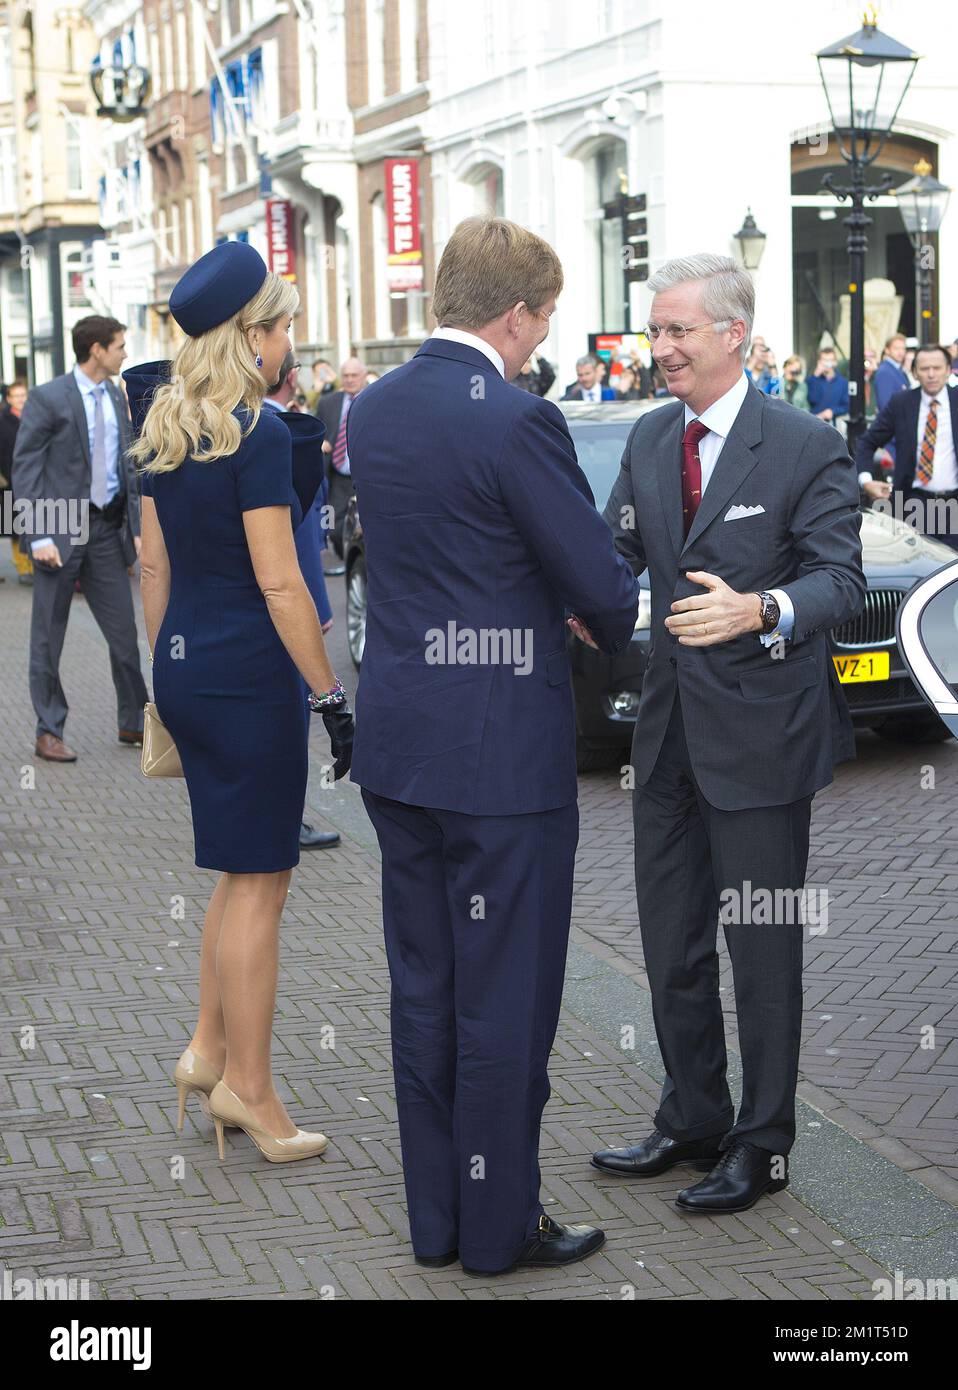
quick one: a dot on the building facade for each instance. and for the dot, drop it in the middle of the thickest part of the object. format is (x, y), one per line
(344, 139)
(547, 114)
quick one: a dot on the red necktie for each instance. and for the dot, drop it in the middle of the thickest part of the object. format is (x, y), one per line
(339, 448)
(926, 459)
(695, 431)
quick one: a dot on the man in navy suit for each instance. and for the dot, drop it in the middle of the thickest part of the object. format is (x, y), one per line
(890, 375)
(923, 424)
(481, 537)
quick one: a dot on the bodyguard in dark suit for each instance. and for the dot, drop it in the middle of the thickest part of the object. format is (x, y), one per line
(71, 451)
(746, 513)
(333, 409)
(481, 533)
(923, 425)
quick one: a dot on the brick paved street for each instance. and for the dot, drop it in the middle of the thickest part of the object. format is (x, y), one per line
(95, 958)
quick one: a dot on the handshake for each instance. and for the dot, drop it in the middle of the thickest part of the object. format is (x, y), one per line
(702, 620)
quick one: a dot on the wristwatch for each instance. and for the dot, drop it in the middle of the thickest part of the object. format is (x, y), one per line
(771, 613)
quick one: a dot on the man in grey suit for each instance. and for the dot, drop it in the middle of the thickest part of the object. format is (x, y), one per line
(71, 465)
(746, 513)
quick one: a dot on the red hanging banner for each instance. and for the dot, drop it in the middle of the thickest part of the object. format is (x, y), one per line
(280, 248)
(404, 258)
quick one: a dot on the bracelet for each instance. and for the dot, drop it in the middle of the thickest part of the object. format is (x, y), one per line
(328, 700)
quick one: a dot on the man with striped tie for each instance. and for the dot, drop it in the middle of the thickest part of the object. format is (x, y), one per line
(923, 423)
(333, 410)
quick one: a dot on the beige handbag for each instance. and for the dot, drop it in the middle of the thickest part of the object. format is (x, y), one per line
(159, 757)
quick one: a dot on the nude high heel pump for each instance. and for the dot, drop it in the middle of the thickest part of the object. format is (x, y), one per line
(227, 1108)
(193, 1073)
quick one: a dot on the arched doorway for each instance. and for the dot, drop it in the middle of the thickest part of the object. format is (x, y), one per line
(819, 252)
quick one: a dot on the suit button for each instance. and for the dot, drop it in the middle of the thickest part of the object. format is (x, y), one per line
(672, 660)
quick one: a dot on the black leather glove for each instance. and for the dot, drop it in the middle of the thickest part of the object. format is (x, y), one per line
(340, 727)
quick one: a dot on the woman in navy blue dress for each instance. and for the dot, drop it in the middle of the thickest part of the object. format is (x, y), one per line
(234, 634)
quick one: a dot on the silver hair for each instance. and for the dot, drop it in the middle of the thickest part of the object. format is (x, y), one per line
(729, 292)
(589, 360)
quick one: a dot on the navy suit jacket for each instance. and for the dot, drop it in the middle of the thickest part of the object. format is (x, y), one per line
(475, 513)
(898, 422)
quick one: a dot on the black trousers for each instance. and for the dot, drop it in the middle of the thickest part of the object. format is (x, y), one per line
(690, 860)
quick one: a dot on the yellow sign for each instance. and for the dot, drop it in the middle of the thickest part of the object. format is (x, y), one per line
(863, 666)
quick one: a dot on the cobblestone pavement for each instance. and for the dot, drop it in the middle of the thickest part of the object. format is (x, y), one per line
(98, 960)
(883, 973)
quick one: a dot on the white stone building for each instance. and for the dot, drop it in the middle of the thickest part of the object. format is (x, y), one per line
(544, 111)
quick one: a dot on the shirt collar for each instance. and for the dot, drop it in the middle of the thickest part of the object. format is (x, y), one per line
(460, 335)
(941, 398)
(720, 415)
(83, 381)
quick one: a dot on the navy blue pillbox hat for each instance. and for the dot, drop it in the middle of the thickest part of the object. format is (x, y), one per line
(217, 286)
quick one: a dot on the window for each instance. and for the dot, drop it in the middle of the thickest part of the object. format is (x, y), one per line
(6, 93)
(182, 52)
(381, 301)
(8, 168)
(488, 190)
(375, 51)
(408, 44)
(199, 45)
(188, 229)
(74, 152)
(609, 164)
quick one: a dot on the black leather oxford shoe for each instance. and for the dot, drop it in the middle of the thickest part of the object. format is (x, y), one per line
(657, 1154)
(316, 839)
(553, 1244)
(742, 1175)
(437, 1261)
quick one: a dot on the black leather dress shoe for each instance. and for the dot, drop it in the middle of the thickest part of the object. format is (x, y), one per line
(741, 1176)
(552, 1244)
(657, 1154)
(316, 839)
(437, 1261)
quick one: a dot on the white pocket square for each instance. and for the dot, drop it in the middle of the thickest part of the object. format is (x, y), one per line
(738, 511)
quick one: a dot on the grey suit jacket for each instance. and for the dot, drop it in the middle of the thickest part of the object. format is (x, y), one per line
(761, 730)
(51, 460)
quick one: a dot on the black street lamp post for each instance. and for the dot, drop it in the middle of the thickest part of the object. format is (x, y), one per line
(922, 202)
(865, 77)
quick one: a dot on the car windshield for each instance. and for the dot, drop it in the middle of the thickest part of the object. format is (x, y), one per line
(599, 447)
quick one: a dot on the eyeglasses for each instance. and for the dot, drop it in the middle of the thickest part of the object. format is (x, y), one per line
(675, 332)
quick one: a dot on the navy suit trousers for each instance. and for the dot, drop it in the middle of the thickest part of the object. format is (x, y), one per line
(476, 915)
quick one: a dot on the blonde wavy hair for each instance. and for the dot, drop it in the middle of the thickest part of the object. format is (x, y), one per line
(211, 375)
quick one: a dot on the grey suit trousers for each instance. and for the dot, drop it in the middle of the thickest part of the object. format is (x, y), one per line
(100, 567)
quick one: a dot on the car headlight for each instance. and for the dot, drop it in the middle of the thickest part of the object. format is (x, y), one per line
(644, 620)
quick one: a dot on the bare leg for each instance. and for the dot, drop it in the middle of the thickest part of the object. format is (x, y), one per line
(209, 1037)
(247, 964)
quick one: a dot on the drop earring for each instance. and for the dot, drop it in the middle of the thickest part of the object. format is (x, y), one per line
(259, 360)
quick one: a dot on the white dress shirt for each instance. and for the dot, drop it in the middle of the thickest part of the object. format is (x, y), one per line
(944, 471)
(460, 335)
(592, 393)
(719, 419)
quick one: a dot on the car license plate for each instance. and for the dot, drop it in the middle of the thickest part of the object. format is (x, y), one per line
(864, 666)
